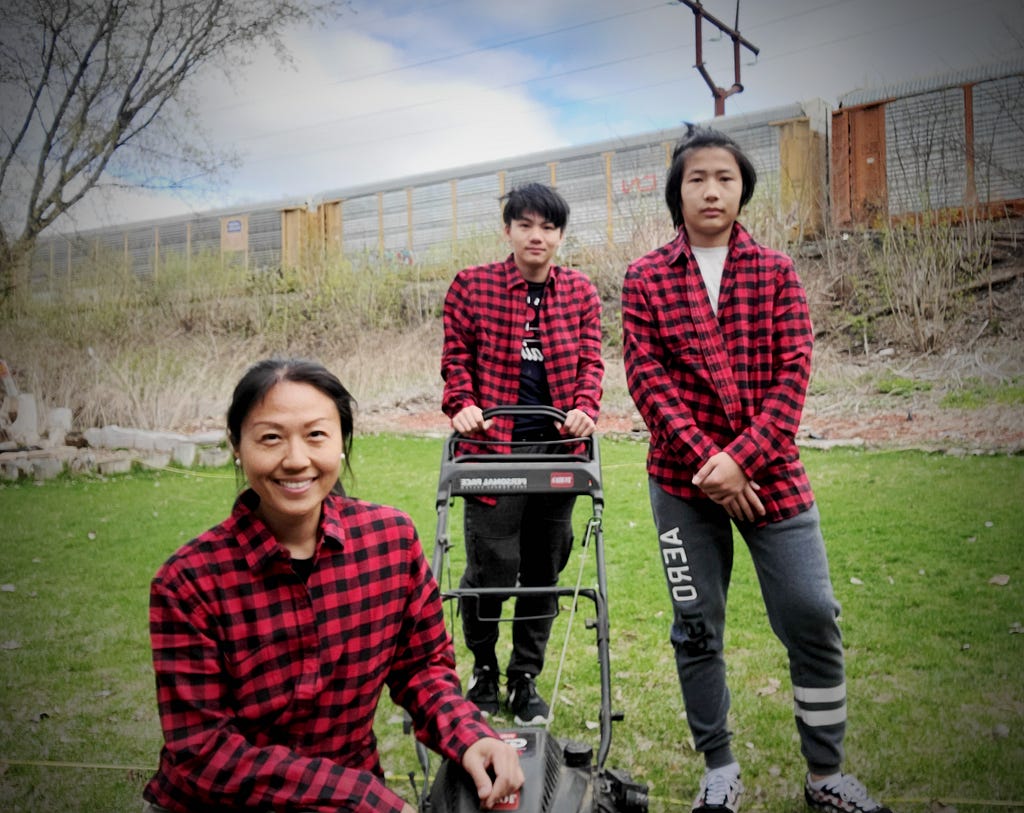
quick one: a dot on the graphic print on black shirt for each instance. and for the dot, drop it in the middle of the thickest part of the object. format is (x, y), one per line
(533, 378)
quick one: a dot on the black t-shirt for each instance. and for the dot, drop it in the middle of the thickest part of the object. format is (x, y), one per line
(533, 377)
(303, 567)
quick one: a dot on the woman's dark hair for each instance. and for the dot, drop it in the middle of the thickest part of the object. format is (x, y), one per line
(695, 139)
(540, 200)
(253, 387)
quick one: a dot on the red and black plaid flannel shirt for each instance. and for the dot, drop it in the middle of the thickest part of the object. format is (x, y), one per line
(267, 686)
(484, 317)
(736, 382)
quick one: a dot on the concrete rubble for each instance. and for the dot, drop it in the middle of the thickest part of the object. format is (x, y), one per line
(41, 447)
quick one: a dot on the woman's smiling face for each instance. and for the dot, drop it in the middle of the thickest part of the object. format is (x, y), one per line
(290, 451)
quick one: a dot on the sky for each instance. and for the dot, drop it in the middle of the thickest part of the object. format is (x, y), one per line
(403, 87)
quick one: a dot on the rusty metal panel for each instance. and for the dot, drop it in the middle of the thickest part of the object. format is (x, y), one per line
(858, 167)
(867, 169)
(842, 197)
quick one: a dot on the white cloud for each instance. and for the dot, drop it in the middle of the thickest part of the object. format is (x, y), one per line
(403, 87)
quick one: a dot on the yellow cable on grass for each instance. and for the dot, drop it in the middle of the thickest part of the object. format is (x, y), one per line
(95, 766)
(33, 763)
(906, 800)
(190, 472)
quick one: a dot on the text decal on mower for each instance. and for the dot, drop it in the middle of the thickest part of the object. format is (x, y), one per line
(562, 479)
(491, 483)
(510, 802)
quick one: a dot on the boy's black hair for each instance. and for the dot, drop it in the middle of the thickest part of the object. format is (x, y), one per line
(697, 138)
(540, 200)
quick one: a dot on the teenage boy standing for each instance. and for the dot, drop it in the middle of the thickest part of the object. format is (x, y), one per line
(522, 331)
(717, 348)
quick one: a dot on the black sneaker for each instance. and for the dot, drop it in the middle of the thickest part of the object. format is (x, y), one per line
(845, 795)
(483, 689)
(528, 707)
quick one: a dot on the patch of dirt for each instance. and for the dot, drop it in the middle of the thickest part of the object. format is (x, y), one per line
(885, 397)
(991, 429)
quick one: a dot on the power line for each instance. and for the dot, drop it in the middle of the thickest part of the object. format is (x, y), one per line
(507, 86)
(496, 46)
(590, 66)
(575, 71)
(471, 51)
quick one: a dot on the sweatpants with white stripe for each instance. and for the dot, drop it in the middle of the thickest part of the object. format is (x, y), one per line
(696, 547)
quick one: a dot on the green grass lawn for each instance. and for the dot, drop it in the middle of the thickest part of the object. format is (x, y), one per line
(935, 667)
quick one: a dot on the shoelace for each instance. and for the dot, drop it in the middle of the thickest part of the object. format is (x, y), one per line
(850, 789)
(716, 790)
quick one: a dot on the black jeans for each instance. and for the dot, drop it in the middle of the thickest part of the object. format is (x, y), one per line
(523, 539)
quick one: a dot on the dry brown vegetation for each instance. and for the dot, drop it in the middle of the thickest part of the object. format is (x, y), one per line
(905, 319)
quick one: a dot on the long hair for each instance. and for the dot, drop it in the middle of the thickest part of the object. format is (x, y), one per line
(697, 138)
(253, 387)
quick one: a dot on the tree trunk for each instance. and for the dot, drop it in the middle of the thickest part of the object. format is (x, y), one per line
(15, 274)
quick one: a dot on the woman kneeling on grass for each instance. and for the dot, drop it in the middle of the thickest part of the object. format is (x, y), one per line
(275, 632)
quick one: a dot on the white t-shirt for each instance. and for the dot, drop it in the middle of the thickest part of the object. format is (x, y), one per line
(711, 261)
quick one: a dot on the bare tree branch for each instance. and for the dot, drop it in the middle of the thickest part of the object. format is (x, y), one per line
(87, 84)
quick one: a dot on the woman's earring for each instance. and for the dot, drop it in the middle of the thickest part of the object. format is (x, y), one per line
(341, 456)
(238, 462)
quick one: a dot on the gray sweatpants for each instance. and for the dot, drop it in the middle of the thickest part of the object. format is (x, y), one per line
(696, 548)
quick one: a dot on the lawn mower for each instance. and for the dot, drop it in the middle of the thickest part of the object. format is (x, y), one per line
(561, 776)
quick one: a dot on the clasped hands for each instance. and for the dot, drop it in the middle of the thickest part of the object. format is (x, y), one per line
(727, 484)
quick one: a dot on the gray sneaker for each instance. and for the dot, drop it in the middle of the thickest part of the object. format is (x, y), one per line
(720, 790)
(846, 795)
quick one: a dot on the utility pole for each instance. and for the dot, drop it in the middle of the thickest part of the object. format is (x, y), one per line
(720, 93)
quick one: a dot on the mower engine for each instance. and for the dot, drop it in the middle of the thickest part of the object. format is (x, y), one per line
(559, 778)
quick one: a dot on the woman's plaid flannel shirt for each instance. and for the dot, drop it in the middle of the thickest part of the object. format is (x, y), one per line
(267, 686)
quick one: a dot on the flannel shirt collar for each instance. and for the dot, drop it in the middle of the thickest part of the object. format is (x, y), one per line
(514, 279)
(740, 243)
(260, 548)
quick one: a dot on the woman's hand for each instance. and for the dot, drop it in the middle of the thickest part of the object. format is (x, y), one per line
(494, 768)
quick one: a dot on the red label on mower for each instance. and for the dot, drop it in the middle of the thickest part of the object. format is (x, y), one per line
(510, 802)
(562, 479)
